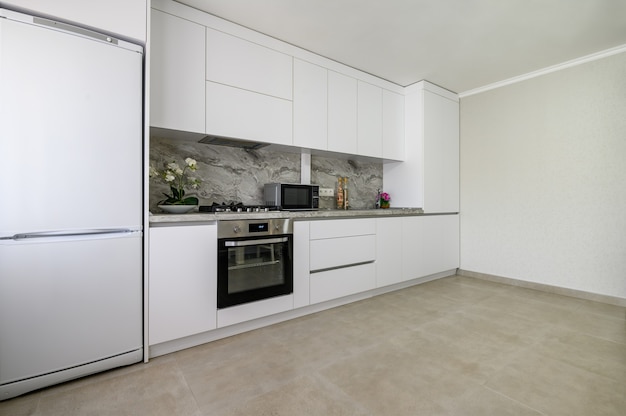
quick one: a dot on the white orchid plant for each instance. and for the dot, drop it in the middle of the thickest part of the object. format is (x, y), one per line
(178, 178)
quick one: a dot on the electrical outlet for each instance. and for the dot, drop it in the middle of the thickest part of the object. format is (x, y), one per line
(327, 192)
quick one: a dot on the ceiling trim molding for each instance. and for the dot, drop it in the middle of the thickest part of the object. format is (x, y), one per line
(558, 67)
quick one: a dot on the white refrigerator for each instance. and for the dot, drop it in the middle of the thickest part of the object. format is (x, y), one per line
(70, 203)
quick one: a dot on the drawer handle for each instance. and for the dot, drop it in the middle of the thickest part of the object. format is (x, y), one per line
(343, 266)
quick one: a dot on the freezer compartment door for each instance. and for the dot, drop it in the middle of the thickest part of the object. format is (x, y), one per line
(70, 129)
(65, 302)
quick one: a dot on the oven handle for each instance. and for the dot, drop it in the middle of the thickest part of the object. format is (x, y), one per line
(255, 242)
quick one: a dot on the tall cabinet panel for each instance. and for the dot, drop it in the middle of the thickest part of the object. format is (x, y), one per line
(441, 250)
(429, 176)
(310, 105)
(393, 126)
(441, 153)
(388, 251)
(183, 294)
(342, 113)
(413, 243)
(370, 120)
(177, 73)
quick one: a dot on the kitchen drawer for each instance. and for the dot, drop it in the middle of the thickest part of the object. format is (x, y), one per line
(342, 228)
(338, 252)
(333, 284)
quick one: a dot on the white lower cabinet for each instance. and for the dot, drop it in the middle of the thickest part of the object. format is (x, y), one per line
(337, 283)
(342, 253)
(182, 281)
(441, 247)
(412, 247)
(301, 262)
(254, 310)
(430, 244)
(388, 251)
(332, 259)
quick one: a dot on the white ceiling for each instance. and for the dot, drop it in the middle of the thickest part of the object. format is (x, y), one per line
(457, 44)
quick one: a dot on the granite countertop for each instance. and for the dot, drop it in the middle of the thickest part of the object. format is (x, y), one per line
(199, 217)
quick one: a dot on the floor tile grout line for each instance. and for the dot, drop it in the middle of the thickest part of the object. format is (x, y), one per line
(514, 400)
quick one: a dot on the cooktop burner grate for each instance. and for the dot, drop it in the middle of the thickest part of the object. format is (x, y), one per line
(236, 207)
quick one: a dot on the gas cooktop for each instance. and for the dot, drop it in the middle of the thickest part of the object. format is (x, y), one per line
(236, 207)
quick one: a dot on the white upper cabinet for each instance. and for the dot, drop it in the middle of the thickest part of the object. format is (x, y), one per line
(441, 153)
(393, 126)
(177, 73)
(429, 176)
(248, 90)
(310, 105)
(369, 120)
(342, 113)
(339, 113)
(122, 17)
(261, 89)
(247, 115)
(239, 63)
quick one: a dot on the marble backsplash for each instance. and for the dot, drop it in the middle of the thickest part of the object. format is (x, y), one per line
(231, 174)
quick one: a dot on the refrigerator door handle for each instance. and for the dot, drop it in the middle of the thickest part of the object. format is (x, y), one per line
(48, 234)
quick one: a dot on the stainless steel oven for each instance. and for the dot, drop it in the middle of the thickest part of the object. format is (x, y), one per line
(255, 260)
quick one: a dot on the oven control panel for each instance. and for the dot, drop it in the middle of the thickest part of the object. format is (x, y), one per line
(250, 227)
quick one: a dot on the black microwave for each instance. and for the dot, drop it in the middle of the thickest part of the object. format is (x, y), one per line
(292, 196)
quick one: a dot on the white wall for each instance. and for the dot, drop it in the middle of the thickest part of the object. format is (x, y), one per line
(543, 179)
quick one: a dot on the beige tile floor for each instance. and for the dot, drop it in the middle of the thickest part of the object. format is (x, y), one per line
(455, 346)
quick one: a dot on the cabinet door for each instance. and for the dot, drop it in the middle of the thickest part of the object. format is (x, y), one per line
(345, 251)
(430, 244)
(441, 243)
(177, 73)
(310, 105)
(388, 251)
(334, 284)
(182, 281)
(441, 154)
(123, 17)
(369, 120)
(300, 264)
(342, 113)
(342, 228)
(412, 247)
(239, 63)
(242, 114)
(393, 126)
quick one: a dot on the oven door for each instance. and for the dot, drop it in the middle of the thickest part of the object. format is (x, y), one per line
(253, 268)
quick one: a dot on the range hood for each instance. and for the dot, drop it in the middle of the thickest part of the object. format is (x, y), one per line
(206, 139)
(227, 141)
